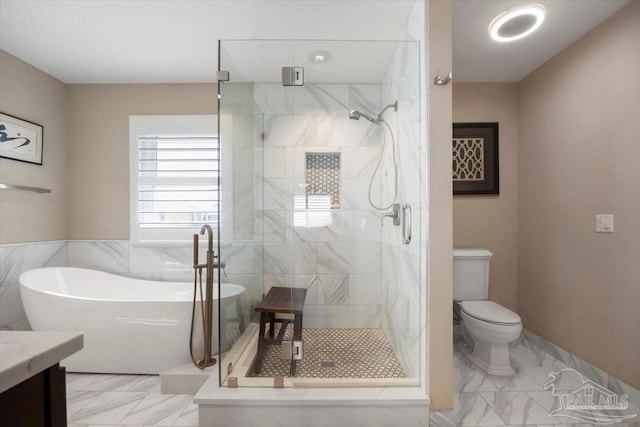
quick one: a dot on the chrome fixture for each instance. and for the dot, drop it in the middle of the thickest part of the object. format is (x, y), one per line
(406, 223)
(395, 214)
(206, 300)
(292, 76)
(355, 114)
(442, 81)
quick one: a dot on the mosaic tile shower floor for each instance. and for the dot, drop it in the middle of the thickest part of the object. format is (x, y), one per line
(336, 353)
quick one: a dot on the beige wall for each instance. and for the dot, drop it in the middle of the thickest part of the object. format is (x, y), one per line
(30, 94)
(99, 148)
(579, 156)
(440, 298)
(491, 221)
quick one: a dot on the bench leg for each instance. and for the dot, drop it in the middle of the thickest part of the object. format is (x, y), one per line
(272, 318)
(261, 345)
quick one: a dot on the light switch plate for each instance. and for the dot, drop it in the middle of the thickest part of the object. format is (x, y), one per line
(604, 223)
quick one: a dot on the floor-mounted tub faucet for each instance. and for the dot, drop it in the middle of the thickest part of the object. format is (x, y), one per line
(395, 214)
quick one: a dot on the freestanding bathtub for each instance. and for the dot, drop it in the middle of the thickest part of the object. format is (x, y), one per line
(129, 325)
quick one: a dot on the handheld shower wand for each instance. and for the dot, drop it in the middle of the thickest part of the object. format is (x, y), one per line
(356, 115)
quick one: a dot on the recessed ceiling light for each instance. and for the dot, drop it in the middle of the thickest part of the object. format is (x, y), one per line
(517, 22)
(319, 56)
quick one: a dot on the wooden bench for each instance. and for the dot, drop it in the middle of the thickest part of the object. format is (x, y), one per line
(279, 300)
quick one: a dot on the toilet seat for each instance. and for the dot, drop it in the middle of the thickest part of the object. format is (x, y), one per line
(490, 312)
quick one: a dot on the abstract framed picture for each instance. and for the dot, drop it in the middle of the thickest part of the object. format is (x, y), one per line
(20, 139)
(475, 158)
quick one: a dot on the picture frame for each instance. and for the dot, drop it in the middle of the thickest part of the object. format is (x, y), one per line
(475, 159)
(20, 139)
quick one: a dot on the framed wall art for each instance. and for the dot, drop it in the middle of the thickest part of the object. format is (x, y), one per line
(20, 139)
(475, 158)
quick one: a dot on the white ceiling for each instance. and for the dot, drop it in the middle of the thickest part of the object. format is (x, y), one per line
(477, 58)
(152, 41)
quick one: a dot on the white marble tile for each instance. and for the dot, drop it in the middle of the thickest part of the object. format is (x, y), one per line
(78, 399)
(355, 194)
(337, 228)
(468, 378)
(279, 130)
(517, 382)
(334, 289)
(157, 409)
(365, 289)
(278, 162)
(336, 257)
(275, 226)
(270, 98)
(107, 408)
(469, 409)
(516, 408)
(105, 255)
(564, 380)
(364, 226)
(365, 97)
(316, 416)
(342, 316)
(278, 194)
(158, 259)
(342, 131)
(188, 417)
(305, 131)
(16, 259)
(362, 162)
(367, 257)
(11, 309)
(318, 99)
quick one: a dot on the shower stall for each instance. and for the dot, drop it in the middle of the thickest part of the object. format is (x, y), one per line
(313, 199)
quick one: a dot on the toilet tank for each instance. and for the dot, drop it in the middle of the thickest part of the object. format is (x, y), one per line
(471, 274)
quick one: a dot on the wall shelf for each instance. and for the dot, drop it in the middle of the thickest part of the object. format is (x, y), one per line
(23, 188)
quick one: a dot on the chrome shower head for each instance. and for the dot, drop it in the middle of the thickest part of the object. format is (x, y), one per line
(355, 115)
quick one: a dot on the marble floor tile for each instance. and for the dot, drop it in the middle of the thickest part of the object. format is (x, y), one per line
(469, 409)
(518, 408)
(149, 383)
(157, 409)
(109, 407)
(189, 416)
(566, 381)
(78, 399)
(527, 355)
(469, 378)
(518, 382)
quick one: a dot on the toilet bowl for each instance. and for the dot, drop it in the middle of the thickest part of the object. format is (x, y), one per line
(491, 328)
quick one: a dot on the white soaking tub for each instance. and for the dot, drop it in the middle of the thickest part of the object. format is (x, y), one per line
(129, 325)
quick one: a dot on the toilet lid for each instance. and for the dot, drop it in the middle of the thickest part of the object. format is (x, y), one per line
(491, 312)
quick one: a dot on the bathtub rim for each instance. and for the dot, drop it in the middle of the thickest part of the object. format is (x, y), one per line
(239, 289)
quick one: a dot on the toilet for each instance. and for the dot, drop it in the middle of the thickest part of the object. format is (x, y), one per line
(490, 326)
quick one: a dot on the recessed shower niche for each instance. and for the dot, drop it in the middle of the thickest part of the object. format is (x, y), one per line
(322, 181)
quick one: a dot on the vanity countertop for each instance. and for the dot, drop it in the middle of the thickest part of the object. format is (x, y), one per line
(26, 353)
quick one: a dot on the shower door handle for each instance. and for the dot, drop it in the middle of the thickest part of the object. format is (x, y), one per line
(406, 223)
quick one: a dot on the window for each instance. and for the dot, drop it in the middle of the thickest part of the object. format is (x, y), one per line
(175, 176)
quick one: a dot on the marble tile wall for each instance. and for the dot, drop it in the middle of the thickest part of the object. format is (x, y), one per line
(15, 260)
(404, 266)
(338, 258)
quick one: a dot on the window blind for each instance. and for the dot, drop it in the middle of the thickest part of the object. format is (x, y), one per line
(178, 176)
